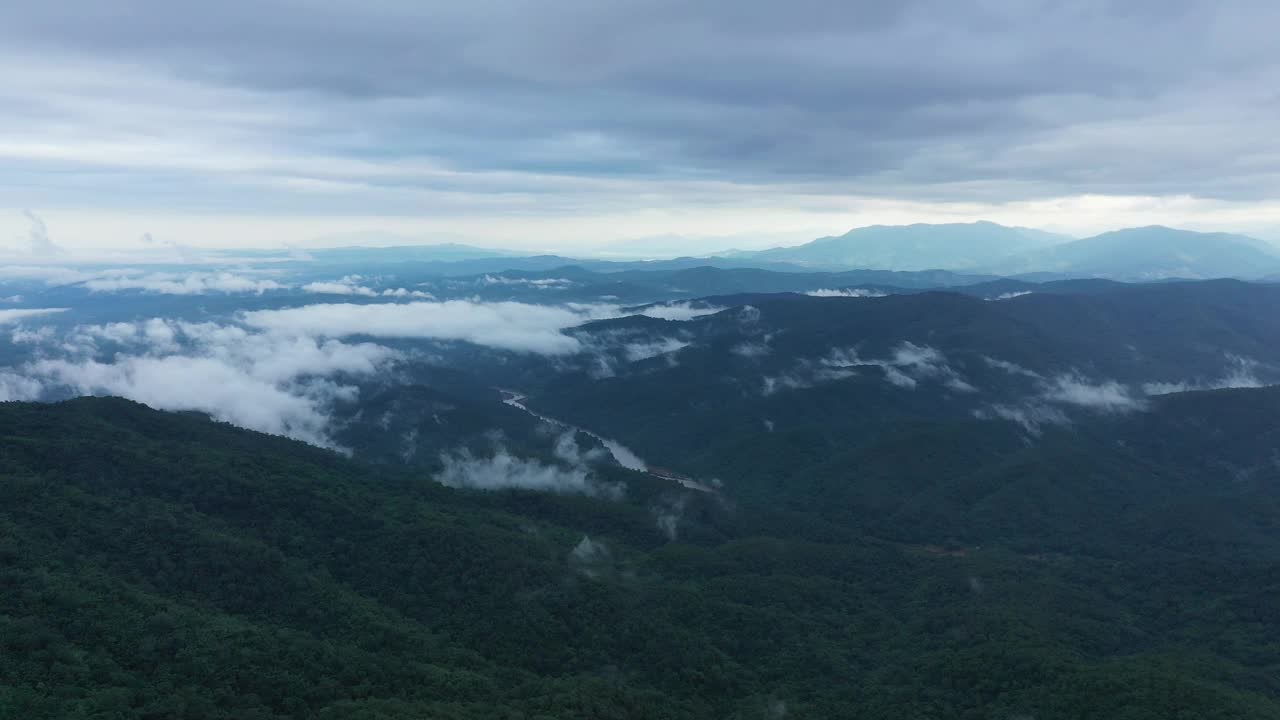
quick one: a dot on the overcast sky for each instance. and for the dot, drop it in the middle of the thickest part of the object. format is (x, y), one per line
(570, 125)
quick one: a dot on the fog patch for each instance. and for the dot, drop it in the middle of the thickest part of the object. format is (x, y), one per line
(751, 350)
(638, 351)
(1011, 368)
(504, 471)
(1106, 395)
(1030, 415)
(1056, 394)
(590, 557)
(907, 365)
(667, 514)
(846, 292)
(1241, 373)
(680, 311)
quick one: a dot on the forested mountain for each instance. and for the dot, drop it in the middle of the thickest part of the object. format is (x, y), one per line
(956, 246)
(994, 499)
(1143, 253)
(1151, 253)
(162, 565)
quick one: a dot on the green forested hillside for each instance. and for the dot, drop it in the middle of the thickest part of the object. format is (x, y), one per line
(156, 565)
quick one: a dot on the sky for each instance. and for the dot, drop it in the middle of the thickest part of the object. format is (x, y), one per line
(581, 126)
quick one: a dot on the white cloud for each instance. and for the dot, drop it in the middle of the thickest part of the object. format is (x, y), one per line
(1067, 390)
(845, 292)
(12, 316)
(201, 383)
(513, 326)
(1009, 295)
(59, 274)
(751, 349)
(680, 311)
(1241, 373)
(195, 283)
(1106, 395)
(541, 283)
(638, 351)
(502, 471)
(907, 365)
(339, 287)
(350, 285)
(14, 386)
(1009, 367)
(281, 384)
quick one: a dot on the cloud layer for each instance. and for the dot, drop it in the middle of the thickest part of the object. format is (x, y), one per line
(194, 283)
(569, 107)
(273, 383)
(505, 325)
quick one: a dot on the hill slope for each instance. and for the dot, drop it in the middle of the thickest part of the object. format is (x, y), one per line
(160, 565)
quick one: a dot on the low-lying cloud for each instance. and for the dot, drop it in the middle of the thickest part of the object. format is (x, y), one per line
(501, 470)
(680, 311)
(906, 367)
(8, 317)
(845, 292)
(194, 283)
(539, 283)
(519, 327)
(1060, 393)
(352, 285)
(279, 384)
(1105, 395)
(1241, 373)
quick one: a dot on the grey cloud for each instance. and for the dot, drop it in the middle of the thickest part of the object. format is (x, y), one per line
(926, 98)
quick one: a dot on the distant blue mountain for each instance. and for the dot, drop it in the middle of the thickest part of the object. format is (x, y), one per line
(956, 246)
(1151, 253)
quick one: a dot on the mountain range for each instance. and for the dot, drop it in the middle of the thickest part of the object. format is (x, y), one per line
(532, 488)
(979, 248)
(1145, 253)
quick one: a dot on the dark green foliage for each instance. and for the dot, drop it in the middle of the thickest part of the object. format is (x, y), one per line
(159, 565)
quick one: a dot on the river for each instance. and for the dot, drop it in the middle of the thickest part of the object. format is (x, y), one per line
(621, 453)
